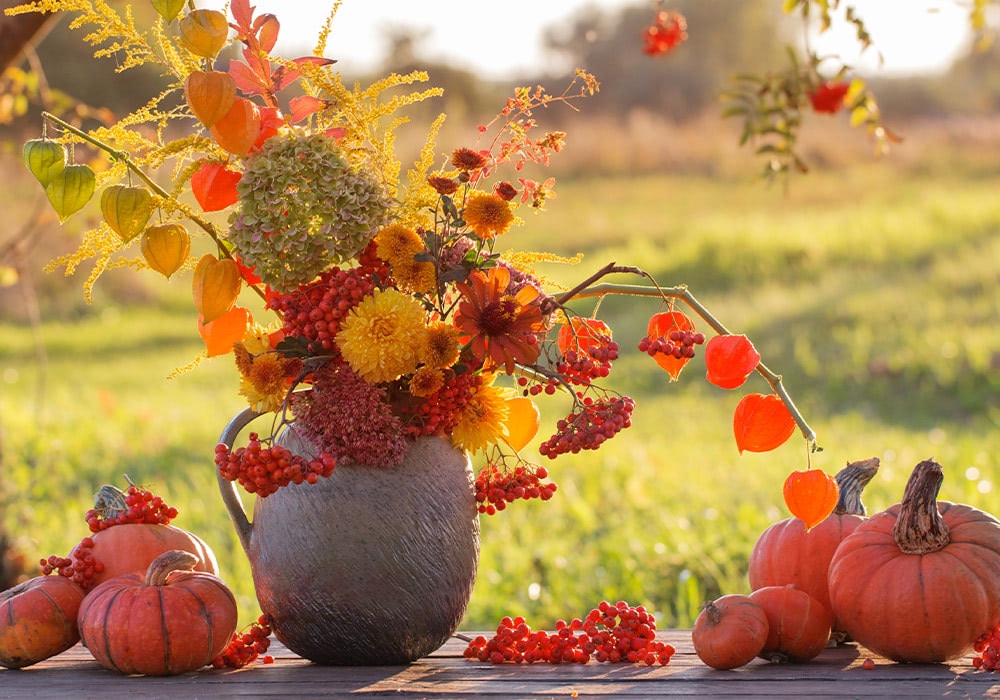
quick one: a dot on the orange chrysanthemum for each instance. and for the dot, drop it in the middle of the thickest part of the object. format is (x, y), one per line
(441, 348)
(488, 215)
(504, 327)
(467, 159)
(397, 242)
(415, 276)
(443, 185)
(425, 381)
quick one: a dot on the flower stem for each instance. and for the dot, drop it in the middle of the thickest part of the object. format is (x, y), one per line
(589, 288)
(124, 157)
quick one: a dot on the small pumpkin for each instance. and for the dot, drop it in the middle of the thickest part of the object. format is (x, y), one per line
(130, 547)
(38, 620)
(172, 620)
(918, 582)
(798, 625)
(788, 552)
(730, 632)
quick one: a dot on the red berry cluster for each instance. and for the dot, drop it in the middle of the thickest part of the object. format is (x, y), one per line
(245, 647)
(613, 633)
(263, 470)
(438, 413)
(588, 428)
(987, 648)
(677, 343)
(80, 565)
(315, 311)
(537, 388)
(584, 366)
(496, 487)
(136, 505)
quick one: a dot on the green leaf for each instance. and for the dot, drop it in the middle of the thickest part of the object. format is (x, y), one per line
(45, 159)
(70, 190)
(168, 9)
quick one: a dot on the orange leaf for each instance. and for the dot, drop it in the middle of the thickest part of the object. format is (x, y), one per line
(762, 423)
(729, 360)
(221, 334)
(660, 326)
(215, 286)
(811, 496)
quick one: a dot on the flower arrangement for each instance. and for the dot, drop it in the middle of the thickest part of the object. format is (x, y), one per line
(394, 315)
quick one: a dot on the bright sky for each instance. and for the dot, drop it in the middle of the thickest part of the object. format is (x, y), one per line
(504, 39)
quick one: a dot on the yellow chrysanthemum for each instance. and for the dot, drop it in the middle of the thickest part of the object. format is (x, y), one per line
(441, 347)
(425, 381)
(414, 276)
(266, 384)
(488, 215)
(382, 336)
(483, 419)
(396, 243)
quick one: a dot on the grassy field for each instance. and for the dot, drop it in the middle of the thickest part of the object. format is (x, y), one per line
(874, 293)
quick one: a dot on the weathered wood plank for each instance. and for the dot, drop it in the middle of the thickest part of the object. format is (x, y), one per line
(835, 673)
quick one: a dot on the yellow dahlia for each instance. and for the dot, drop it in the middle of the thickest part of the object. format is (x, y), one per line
(265, 386)
(414, 276)
(382, 336)
(483, 419)
(397, 242)
(488, 215)
(425, 381)
(441, 347)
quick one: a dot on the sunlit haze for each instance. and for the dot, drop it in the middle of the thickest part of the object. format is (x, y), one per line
(504, 40)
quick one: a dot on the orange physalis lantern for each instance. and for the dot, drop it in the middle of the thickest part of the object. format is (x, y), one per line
(210, 95)
(204, 32)
(214, 186)
(522, 422)
(581, 334)
(660, 326)
(165, 247)
(221, 334)
(238, 130)
(811, 496)
(215, 286)
(762, 423)
(729, 360)
(126, 209)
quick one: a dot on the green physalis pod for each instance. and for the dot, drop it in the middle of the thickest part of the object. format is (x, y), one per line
(126, 209)
(45, 159)
(168, 9)
(70, 190)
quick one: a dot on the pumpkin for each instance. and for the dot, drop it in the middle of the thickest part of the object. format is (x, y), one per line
(918, 582)
(798, 624)
(787, 552)
(171, 620)
(729, 632)
(130, 547)
(38, 620)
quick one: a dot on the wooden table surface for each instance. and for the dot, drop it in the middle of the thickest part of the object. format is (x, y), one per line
(837, 672)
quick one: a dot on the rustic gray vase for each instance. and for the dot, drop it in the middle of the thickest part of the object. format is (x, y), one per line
(370, 566)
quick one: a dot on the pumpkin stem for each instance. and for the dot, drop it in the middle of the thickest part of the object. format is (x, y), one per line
(167, 563)
(852, 480)
(919, 528)
(712, 612)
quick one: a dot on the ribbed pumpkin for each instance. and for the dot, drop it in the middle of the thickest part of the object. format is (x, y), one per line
(787, 552)
(920, 581)
(130, 547)
(171, 620)
(730, 632)
(798, 624)
(38, 620)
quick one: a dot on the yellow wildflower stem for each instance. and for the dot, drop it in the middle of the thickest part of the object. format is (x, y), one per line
(124, 157)
(589, 289)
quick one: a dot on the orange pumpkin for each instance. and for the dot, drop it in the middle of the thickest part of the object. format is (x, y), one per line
(130, 547)
(798, 624)
(171, 620)
(38, 620)
(918, 582)
(788, 552)
(730, 632)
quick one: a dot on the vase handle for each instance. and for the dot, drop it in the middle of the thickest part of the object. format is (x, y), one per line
(230, 496)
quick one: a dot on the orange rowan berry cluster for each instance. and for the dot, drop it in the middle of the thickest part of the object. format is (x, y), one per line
(263, 470)
(584, 366)
(245, 647)
(136, 505)
(678, 343)
(496, 487)
(617, 633)
(588, 428)
(80, 566)
(438, 413)
(987, 648)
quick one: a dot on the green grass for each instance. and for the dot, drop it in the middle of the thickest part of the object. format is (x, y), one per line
(872, 292)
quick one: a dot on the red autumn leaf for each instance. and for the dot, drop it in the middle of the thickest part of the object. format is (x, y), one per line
(266, 28)
(249, 274)
(761, 423)
(660, 325)
(305, 105)
(284, 75)
(729, 360)
(214, 186)
(249, 80)
(243, 14)
(811, 496)
(828, 98)
(271, 120)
